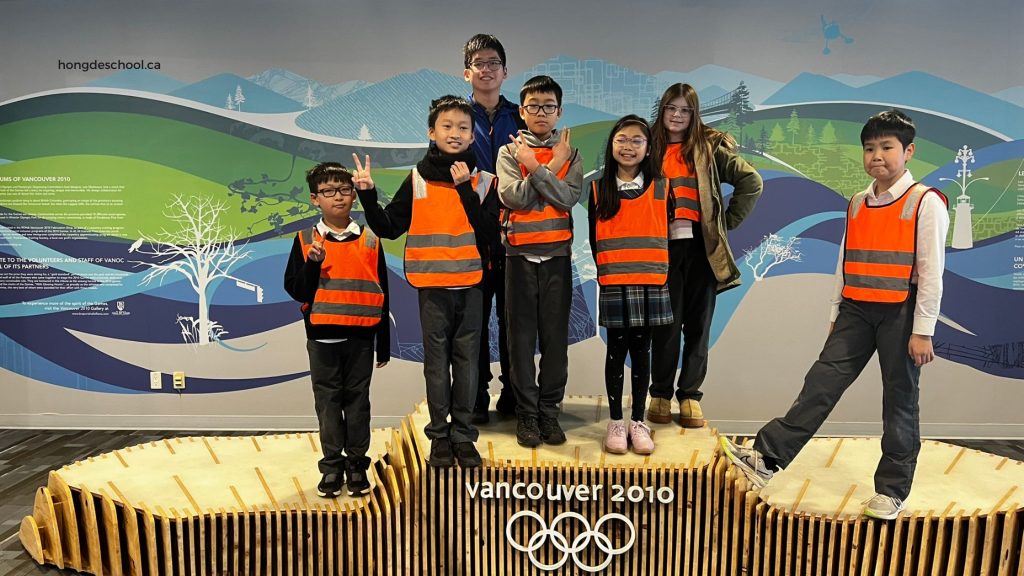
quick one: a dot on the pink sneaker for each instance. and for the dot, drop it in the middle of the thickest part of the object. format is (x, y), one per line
(640, 437)
(615, 438)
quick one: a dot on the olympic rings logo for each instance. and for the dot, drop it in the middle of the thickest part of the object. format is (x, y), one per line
(579, 543)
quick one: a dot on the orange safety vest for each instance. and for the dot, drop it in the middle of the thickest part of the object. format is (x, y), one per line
(881, 242)
(349, 292)
(683, 183)
(632, 247)
(440, 250)
(538, 225)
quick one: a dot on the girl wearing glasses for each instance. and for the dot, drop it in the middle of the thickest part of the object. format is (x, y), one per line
(696, 160)
(629, 214)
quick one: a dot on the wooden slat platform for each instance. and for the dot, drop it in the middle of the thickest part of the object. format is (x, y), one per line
(247, 505)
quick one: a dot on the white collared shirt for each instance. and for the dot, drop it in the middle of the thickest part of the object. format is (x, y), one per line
(637, 182)
(929, 259)
(353, 229)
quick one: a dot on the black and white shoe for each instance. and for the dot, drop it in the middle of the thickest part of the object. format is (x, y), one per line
(330, 485)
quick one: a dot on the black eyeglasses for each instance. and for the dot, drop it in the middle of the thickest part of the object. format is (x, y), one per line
(532, 109)
(491, 65)
(343, 190)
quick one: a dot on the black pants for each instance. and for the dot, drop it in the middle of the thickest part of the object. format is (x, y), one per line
(693, 289)
(637, 343)
(450, 320)
(493, 287)
(341, 393)
(539, 297)
(860, 330)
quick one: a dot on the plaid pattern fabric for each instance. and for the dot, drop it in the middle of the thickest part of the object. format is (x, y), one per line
(634, 306)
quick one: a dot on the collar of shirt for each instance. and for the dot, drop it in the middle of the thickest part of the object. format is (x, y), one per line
(353, 229)
(634, 184)
(894, 193)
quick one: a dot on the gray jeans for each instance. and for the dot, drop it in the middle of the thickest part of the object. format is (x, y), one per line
(860, 330)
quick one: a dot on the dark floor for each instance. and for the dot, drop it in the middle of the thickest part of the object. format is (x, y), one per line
(27, 455)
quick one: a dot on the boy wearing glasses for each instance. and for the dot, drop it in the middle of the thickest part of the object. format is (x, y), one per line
(494, 119)
(337, 271)
(540, 176)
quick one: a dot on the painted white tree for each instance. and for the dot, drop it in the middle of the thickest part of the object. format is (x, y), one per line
(230, 104)
(310, 100)
(364, 133)
(772, 251)
(202, 250)
(239, 97)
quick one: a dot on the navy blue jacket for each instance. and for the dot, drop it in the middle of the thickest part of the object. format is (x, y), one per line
(489, 137)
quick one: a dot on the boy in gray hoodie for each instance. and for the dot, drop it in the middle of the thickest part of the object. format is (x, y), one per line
(540, 177)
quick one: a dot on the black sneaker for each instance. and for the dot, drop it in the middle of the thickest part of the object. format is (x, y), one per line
(550, 431)
(527, 432)
(330, 484)
(358, 483)
(506, 405)
(441, 453)
(467, 455)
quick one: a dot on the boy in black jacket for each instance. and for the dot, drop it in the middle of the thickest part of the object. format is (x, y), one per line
(337, 271)
(441, 205)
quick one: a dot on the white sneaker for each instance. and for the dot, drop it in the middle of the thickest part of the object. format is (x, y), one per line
(749, 461)
(883, 507)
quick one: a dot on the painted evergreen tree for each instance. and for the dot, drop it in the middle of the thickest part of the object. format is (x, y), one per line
(230, 104)
(310, 101)
(364, 133)
(777, 137)
(793, 127)
(730, 124)
(762, 140)
(812, 136)
(740, 105)
(828, 133)
(239, 97)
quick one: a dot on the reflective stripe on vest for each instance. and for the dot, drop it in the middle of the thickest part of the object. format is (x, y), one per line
(631, 248)
(349, 291)
(683, 184)
(440, 249)
(881, 241)
(544, 225)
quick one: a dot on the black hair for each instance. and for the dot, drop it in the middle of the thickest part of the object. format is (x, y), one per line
(542, 85)
(449, 102)
(607, 205)
(327, 172)
(889, 123)
(482, 42)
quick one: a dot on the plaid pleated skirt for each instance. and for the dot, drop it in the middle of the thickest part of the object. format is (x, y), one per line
(634, 306)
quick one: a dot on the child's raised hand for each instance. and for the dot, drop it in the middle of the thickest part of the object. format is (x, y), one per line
(460, 173)
(361, 178)
(316, 251)
(524, 154)
(563, 150)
